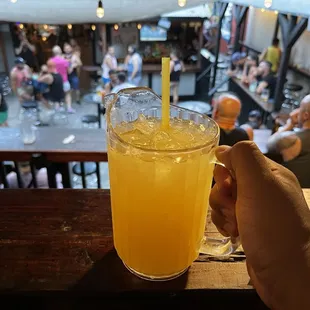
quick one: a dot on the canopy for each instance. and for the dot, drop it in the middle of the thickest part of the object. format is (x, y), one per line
(84, 11)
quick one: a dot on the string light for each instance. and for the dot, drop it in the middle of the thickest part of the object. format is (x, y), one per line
(45, 27)
(93, 27)
(268, 3)
(139, 26)
(262, 10)
(116, 27)
(69, 26)
(13, 1)
(21, 26)
(100, 9)
(44, 39)
(181, 3)
(276, 12)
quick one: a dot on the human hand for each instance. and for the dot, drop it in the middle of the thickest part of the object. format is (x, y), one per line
(294, 116)
(264, 204)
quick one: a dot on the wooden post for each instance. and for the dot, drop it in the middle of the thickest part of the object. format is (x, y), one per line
(291, 30)
(222, 9)
(240, 14)
(103, 35)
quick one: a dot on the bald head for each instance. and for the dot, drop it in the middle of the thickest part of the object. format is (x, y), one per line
(304, 113)
(57, 50)
(51, 66)
(227, 106)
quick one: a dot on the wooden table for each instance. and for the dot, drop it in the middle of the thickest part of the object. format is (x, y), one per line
(89, 145)
(250, 101)
(58, 244)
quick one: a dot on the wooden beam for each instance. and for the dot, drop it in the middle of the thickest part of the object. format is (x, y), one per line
(291, 30)
(222, 9)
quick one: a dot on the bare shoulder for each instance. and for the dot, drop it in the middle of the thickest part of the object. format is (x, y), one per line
(282, 140)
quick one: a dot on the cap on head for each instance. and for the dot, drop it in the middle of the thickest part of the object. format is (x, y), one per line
(237, 56)
(228, 105)
(57, 50)
(19, 61)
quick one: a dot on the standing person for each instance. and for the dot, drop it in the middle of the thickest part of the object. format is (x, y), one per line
(20, 74)
(176, 67)
(26, 51)
(75, 63)
(133, 62)
(3, 109)
(109, 63)
(75, 47)
(273, 55)
(50, 77)
(225, 112)
(62, 66)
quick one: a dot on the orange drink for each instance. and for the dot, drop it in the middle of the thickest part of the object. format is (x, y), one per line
(160, 185)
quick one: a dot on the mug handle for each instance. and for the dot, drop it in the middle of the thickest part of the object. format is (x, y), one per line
(219, 247)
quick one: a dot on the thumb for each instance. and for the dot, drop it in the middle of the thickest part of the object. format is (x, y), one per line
(245, 161)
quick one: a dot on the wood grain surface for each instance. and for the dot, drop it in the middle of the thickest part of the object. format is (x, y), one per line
(62, 239)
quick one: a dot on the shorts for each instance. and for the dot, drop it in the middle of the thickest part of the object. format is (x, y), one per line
(66, 86)
(74, 82)
(3, 117)
(105, 80)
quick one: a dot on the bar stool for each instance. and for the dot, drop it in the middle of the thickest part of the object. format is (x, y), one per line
(90, 121)
(292, 93)
(89, 177)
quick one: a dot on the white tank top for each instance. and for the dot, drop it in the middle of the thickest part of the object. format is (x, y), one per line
(105, 68)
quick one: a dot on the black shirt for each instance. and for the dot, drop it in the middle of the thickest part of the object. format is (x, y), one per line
(300, 165)
(28, 56)
(271, 80)
(56, 93)
(176, 71)
(233, 136)
(3, 104)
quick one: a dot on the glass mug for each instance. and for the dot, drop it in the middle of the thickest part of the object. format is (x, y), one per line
(159, 198)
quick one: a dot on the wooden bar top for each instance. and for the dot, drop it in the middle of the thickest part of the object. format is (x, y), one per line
(266, 106)
(56, 246)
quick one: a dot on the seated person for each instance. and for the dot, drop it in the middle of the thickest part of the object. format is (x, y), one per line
(54, 80)
(266, 79)
(112, 83)
(226, 110)
(20, 77)
(122, 83)
(26, 177)
(255, 119)
(294, 146)
(249, 69)
(237, 63)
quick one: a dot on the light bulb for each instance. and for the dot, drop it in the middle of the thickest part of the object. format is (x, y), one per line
(268, 3)
(44, 39)
(116, 27)
(276, 12)
(69, 26)
(45, 27)
(181, 3)
(100, 10)
(262, 10)
(21, 26)
(139, 26)
(13, 1)
(93, 27)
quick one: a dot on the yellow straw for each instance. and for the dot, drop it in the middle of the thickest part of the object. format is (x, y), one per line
(165, 62)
